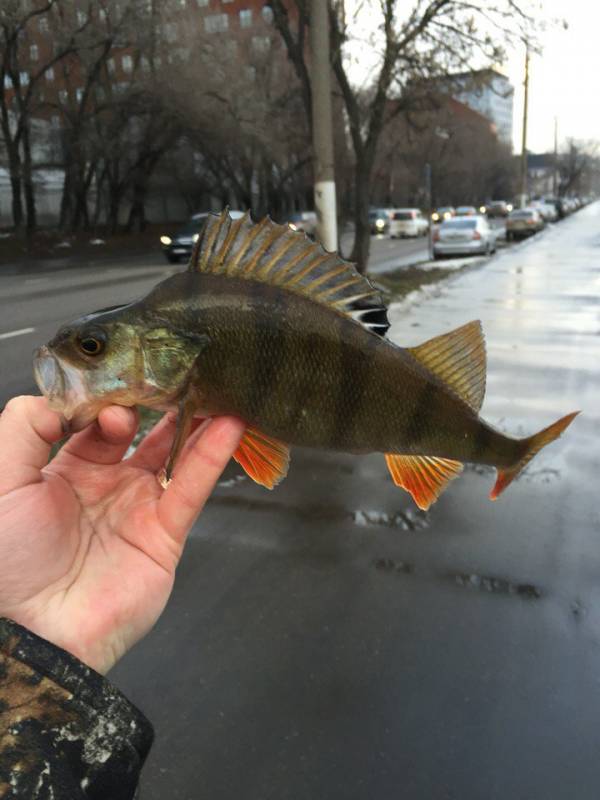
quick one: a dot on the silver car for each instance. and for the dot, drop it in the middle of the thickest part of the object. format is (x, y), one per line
(463, 236)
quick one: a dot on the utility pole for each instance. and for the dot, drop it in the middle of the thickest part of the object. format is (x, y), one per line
(555, 164)
(523, 196)
(322, 132)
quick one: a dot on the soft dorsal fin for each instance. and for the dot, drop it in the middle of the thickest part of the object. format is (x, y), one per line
(458, 358)
(275, 254)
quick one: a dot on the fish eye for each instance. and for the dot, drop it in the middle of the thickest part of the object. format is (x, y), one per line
(92, 344)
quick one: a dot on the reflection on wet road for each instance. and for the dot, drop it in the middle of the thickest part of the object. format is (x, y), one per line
(327, 640)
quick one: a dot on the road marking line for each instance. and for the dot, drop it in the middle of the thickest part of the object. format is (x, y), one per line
(20, 332)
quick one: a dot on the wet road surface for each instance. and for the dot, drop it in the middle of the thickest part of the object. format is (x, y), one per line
(327, 640)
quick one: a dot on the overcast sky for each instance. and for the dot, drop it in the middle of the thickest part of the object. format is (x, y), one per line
(564, 80)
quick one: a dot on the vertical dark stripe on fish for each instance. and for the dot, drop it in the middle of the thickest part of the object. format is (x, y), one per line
(482, 441)
(354, 381)
(267, 365)
(420, 412)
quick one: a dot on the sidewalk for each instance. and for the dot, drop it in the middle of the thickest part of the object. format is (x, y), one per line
(328, 640)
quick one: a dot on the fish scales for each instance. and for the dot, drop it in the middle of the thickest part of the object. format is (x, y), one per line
(267, 326)
(311, 377)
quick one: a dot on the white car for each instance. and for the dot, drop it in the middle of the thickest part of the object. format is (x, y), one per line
(464, 236)
(547, 211)
(407, 222)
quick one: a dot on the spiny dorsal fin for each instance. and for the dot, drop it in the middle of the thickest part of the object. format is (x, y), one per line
(458, 358)
(425, 477)
(275, 254)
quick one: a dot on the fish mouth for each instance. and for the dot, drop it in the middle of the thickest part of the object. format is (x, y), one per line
(65, 388)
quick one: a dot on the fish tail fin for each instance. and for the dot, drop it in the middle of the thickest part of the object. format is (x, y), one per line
(533, 445)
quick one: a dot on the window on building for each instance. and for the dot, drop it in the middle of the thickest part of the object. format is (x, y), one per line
(34, 52)
(261, 44)
(245, 18)
(55, 121)
(63, 95)
(110, 65)
(24, 77)
(127, 62)
(202, 3)
(79, 95)
(8, 82)
(81, 18)
(250, 72)
(50, 74)
(267, 14)
(216, 23)
(170, 32)
(43, 24)
(144, 64)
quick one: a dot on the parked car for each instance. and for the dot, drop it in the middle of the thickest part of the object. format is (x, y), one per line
(379, 220)
(523, 222)
(466, 211)
(499, 208)
(303, 221)
(408, 222)
(442, 213)
(547, 211)
(180, 245)
(464, 236)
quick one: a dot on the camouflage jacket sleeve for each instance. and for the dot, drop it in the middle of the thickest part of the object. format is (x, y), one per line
(65, 731)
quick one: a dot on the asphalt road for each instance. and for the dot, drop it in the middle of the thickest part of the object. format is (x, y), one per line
(326, 640)
(36, 299)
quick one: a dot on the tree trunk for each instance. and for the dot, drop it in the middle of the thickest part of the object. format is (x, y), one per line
(28, 186)
(17, 202)
(362, 230)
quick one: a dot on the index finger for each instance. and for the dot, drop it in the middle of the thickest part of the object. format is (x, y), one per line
(197, 473)
(28, 429)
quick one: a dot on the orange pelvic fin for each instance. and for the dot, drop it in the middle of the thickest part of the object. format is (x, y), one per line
(265, 460)
(425, 477)
(535, 444)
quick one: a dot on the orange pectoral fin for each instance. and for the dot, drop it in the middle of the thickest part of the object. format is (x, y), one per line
(425, 477)
(265, 460)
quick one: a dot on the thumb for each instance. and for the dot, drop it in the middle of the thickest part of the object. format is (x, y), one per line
(28, 429)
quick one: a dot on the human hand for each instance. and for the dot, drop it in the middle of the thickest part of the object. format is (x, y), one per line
(89, 543)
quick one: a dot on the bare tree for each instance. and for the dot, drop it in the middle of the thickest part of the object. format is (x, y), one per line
(23, 65)
(414, 47)
(578, 167)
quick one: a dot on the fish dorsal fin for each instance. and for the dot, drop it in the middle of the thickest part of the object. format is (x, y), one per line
(457, 358)
(279, 256)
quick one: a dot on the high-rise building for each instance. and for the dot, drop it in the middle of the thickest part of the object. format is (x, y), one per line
(488, 92)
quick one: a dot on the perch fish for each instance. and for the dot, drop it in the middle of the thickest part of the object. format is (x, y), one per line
(264, 325)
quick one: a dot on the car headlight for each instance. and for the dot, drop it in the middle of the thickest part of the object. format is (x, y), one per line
(447, 215)
(292, 226)
(435, 216)
(379, 223)
(195, 237)
(509, 207)
(482, 209)
(166, 240)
